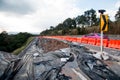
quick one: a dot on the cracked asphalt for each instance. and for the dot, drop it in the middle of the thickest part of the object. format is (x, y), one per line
(51, 59)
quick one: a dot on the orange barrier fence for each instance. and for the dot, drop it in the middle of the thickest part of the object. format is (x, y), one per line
(79, 40)
(68, 38)
(84, 40)
(105, 42)
(98, 42)
(117, 45)
(92, 41)
(74, 39)
(114, 44)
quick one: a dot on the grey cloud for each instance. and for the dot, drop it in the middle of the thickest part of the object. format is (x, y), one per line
(16, 6)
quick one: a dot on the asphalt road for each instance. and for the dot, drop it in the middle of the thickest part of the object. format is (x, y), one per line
(114, 53)
(35, 64)
(32, 68)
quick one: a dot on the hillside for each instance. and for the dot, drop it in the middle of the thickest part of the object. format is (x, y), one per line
(114, 28)
(9, 43)
(82, 24)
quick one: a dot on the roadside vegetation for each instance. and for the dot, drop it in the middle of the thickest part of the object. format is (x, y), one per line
(82, 24)
(9, 43)
(17, 51)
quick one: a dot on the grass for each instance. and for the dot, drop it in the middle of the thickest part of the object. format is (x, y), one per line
(17, 51)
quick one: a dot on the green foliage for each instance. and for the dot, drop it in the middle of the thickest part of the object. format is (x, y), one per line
(69, 26)
(9, 43)
(17, 51)
(117, 15)
(81, 25)
(69, 23)
(46, 32)
(59, 26)
(81, 20)
(90, 16)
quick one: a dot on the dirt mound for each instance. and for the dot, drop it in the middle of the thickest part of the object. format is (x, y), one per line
(52, 44)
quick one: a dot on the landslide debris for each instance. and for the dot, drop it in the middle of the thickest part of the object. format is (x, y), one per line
(51, 44)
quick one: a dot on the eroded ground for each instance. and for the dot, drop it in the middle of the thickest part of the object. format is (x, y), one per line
(51, 59)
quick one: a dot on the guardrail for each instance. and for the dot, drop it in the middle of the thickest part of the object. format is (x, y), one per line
(92, 41)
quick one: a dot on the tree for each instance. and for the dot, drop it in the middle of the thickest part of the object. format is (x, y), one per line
(9, 43)
(80, 20)
(69, 23)
(79, 30)
(59, 26)
(117, 15)
(83, 30)
(3, 43)
(90, 16)
(51, 27)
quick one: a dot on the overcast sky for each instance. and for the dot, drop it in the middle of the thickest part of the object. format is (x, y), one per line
(38, 15)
